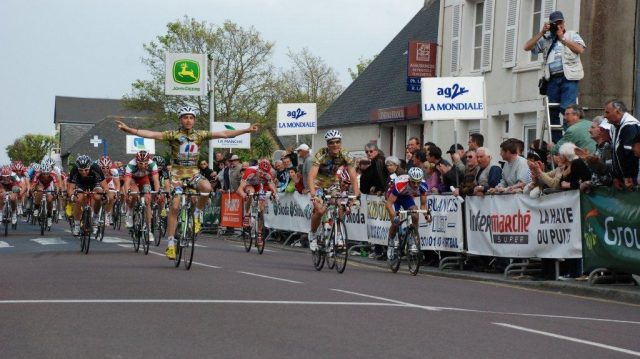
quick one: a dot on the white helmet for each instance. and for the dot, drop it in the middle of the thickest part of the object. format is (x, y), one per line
(332, 134)
(187, 110)
(416, 174)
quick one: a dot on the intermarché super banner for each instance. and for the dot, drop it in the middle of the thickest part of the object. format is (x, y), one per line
(370, 223)
(610, 232)
(517, 226)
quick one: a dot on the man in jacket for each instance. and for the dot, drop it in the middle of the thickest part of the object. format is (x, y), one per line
(578, 131)
(623, 130)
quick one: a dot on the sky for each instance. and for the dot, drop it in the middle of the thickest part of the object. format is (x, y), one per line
(93, 48)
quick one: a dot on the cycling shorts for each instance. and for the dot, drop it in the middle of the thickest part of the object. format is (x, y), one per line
(406, 202)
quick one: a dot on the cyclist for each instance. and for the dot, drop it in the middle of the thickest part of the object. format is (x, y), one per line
(112, 176)
(401, 194)
(87, 177)
(138, 175)
(45, 180)
(62, 181)
(165, 182)
(254, 180)
(9, 182)
(322, 175)
(185, 146)
(21, 171)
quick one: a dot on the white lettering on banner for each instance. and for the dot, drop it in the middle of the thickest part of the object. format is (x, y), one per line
(618, 236)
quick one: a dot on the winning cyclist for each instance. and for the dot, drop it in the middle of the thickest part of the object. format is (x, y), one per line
(137, 177)
(185, 146)
(254, 180)
(322, 175)
(401, 195)
(9, 182)
(112, 176)
(45, 180)
(86, 176)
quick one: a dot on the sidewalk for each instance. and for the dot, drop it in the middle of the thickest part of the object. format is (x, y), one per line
(627, 293)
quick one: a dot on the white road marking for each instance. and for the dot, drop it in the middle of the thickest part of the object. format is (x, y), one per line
(268, 277)
(571, 339)
(196, 263)
(192, 301)
(115, 240)
(266, 250)
(387, 300)
(48, 241)
(4, 244)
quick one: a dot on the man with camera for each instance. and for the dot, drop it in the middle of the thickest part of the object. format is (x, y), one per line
(560, 51)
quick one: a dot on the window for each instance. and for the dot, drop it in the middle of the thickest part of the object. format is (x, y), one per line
(529, 134)
(536, 23)
(477, 35)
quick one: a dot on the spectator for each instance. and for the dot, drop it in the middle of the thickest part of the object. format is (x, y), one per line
(476, 140)
(578, 131)
(427, 145)
(393, 168)
(375, 177)
(636, 151)
(230, 177)
(295, 181)
(451, 176)
(435, 158)
(458, 156)
(469, 181)
(205, 171)
(541, 180)
(576, 170)
(599, 162)
(362, 165)
(287, 161)
(519, 146)
(516, 173)
(623, 130)
(304, 154)
(489, 174)
(412, 147)
(218, 158)
(419, 158)
(560, 51)
(282, 175)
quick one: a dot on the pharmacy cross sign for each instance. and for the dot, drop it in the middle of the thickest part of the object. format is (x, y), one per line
(95, 141)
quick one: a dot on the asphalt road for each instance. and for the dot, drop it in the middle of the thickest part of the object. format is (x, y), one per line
(113, 303)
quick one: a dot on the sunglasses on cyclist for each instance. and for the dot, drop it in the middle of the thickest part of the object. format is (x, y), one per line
(334, 142)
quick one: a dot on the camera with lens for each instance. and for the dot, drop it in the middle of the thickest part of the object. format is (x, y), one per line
(553, 27)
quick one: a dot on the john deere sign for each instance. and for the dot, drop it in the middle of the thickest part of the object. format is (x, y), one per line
(184, 74)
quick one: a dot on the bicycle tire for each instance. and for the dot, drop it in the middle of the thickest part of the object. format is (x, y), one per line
(115, 214)
(6, 219)
(260, 242)
(318, 258)
(247, 237)
(181, 232)
(155, 224)
(188, 243)
(162, 230)
(86, 231)
(393, 255)
(413, 258)
(328, 251)
(340, 250)
(137, 229)
(145, 241)
(43, 218)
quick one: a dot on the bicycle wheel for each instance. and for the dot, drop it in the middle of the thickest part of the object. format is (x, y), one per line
(137, 229)
(145, 241)
(115, 215)
(180, 233)
(393, 254)
(155, 224)
(86, 230)
(340, 248)
(6, 219)
(188, 243)
(329, 244)
(101, 220)
(318, 257)
(247, 236)
(162, 230)
(43, 218)
(414, 256)
(260, 233)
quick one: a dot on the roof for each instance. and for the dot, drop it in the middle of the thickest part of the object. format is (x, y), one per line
(383, 83)
(69, 134)
(89, 110)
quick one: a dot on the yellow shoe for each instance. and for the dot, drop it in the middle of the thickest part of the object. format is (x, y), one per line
(171, 251)
(196, 224)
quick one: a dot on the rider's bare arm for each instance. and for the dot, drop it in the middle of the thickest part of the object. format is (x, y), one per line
(313, 172)
(233, 133)
(139, 132)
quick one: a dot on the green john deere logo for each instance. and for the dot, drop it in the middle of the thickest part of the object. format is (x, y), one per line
(186, 72)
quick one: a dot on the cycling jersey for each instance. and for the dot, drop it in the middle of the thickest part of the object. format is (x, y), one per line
(112, 175)
(405, 192)
(185, 149)
(48, 182)
(141, 177)
(252, 178)
(328, 166)
(88, 182)
(9, 182)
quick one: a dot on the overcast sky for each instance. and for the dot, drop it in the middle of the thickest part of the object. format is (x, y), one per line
(92, 48)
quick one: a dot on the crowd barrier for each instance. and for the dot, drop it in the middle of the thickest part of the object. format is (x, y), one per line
(601, 227)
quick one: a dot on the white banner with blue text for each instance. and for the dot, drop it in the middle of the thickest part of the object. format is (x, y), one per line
(453, 98)
(297, 119)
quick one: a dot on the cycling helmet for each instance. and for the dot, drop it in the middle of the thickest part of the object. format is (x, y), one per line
(159, 160)
(343, 175)
(49, 161)
(332, 134)
(46, 167)
(5, 171)
(265, 166)
(416, 174)
(105, 161)
(35, 167)
(83, 161)
(143, 156)
(187, 110)
(17, 166)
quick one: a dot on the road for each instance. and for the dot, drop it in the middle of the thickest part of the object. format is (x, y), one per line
(113, 303)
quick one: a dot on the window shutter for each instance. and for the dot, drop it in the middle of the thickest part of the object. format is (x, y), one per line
(487, 36)
(548, 7)
(455, 38)
(511, 34)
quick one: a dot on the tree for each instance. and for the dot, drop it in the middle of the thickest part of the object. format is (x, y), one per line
(361, 66)
(31, 148)
(242, 67)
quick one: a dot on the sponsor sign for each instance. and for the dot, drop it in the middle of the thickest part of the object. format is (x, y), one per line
(610, 231)
(517, 226)
(135, 144)
(242, 141)
(292, 212)
(451, 98)
(185, 74)
(421, 59)
(297, 119)
(231, 210)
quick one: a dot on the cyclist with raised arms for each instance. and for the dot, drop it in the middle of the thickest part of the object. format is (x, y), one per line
(185, 146)
(401, 194)
(112, 176)
(9, 182)
(255, 179)
(87, 177)
(45, 180)
(323, 174)
(138, 175)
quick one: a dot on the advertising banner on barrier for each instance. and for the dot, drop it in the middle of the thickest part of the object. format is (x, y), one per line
(292, 212)
(517, 226)
(231, 210)
(610, 232)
